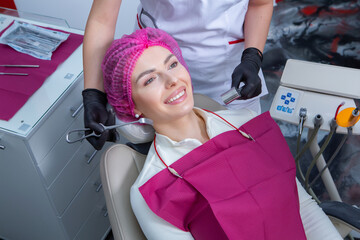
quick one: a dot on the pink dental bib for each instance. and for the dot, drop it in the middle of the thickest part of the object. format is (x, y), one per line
(232, 187)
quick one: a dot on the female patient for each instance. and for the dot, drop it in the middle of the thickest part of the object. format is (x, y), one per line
(223, 175)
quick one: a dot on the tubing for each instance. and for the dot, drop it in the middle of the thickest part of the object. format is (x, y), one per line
(313, 162)
(317, 123)
(326, 176)
(330, 160)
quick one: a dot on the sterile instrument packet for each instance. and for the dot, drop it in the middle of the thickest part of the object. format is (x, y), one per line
(36, 41)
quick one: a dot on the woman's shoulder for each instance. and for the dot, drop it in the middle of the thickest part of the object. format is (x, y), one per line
(237, 117)
(149, 169)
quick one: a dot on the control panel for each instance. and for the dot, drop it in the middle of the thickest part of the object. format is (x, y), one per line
(290, 98)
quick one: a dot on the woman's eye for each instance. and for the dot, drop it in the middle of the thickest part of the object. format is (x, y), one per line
(174, 64)
(149, 81)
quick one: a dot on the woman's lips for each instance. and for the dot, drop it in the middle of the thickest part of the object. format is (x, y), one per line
(176, 97)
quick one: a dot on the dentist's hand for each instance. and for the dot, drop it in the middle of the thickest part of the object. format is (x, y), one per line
(247, 72)
(94, 113)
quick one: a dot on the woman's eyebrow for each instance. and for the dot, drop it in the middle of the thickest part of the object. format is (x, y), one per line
(168, 58)
(152, 70)
(144, 73)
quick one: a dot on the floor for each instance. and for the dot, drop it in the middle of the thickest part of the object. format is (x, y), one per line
(323, 31)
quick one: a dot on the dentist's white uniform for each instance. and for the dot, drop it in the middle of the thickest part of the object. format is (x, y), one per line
(210, 35)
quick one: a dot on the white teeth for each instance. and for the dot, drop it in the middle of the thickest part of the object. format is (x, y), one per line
(176, 97)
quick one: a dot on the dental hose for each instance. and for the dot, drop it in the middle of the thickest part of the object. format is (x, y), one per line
(299, 155)
(317, 124)
(330, 160)
(312, 164)
(355, 113)
(297, 162)
(302, 115)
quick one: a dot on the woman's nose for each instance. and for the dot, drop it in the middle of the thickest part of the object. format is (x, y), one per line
(170, 80)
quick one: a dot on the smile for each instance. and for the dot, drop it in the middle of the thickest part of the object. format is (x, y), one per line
(176, 97)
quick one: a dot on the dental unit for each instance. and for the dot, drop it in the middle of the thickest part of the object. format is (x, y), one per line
(318, 97)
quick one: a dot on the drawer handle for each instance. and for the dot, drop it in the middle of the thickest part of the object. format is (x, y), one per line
(76, 111)
(91, 157)
(2, 147)
(99, 188)
(105, 211)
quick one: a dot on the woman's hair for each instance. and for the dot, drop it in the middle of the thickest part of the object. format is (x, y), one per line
(120, 60)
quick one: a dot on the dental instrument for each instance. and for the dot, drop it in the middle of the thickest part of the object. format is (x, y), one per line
(20, 66)
(83, 135)
(17, 74)
(233, 94)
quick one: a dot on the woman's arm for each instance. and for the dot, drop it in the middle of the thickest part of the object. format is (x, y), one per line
(99, 33)
(257, 23)
(316, 224)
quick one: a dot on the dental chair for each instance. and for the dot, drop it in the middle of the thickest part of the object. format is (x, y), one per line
(121, 164)
(119, 167)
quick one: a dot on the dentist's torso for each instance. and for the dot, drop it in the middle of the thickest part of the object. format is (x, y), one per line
(210, 35)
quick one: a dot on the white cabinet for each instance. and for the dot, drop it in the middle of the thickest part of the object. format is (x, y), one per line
(50, 189)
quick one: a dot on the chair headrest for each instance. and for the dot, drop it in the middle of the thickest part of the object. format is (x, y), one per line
(136, 133)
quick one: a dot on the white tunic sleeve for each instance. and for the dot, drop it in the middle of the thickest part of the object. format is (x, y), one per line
(316, 224)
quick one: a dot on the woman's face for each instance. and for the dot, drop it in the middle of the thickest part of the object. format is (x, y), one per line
(161, 86)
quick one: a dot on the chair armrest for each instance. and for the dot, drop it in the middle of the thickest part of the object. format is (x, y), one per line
(343, 213)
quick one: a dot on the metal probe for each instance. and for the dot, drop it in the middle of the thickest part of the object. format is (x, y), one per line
(18, 74)
(20, 66)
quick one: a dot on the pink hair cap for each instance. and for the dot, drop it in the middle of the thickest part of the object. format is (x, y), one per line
(119, 62)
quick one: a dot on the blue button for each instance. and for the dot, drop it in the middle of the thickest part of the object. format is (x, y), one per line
(283, 109)
(287, 102)
(292, 99)
(288, 94)
(283, 97)
(289, 110)
(279, 107)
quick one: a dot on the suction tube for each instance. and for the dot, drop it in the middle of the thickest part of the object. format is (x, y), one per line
(312, 164)
(319, 160)
(317, 124)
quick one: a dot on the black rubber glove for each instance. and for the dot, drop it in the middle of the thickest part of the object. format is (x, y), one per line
(94, 113)
(247, 72)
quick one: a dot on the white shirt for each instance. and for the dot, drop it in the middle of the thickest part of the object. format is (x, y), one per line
(316, 223)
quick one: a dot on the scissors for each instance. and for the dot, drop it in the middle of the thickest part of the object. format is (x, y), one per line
(83, 135)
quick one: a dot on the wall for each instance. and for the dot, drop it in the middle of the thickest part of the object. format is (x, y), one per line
(75, 12)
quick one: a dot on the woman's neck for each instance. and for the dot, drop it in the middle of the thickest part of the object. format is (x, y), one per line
(190, 126)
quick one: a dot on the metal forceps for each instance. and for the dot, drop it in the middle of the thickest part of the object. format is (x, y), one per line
(83, 135)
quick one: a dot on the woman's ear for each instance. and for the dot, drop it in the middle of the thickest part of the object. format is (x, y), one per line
(137, 112)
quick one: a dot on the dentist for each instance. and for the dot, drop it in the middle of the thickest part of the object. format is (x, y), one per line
(221, 41)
